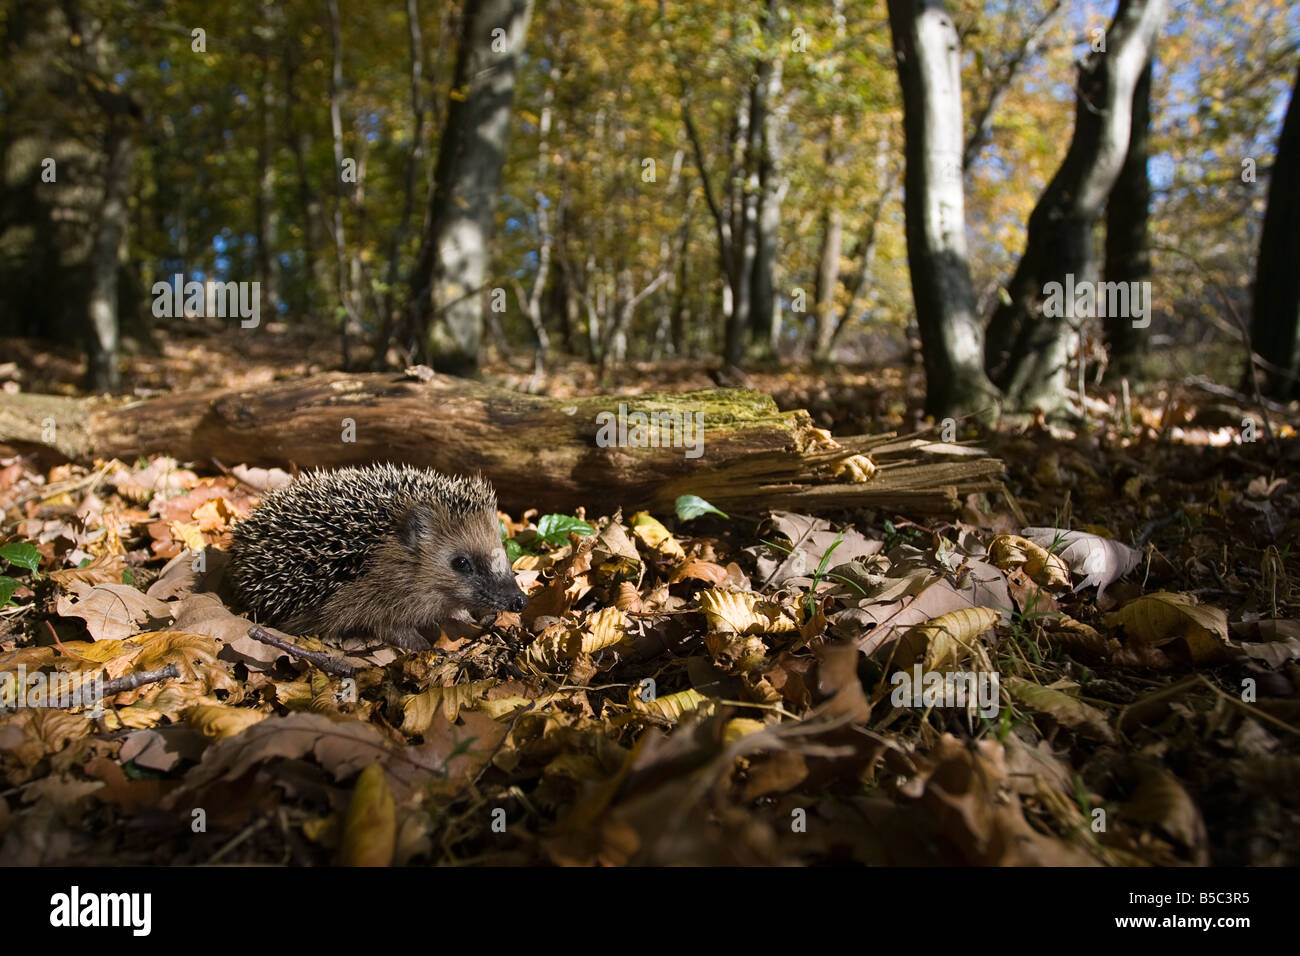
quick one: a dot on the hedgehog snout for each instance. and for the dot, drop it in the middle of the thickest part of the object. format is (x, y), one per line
(509, 596)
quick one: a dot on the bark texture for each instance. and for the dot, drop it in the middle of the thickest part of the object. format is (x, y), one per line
(539, 452)
(929, 72)
(451, 270)
(1275, 325)
(1027, 352)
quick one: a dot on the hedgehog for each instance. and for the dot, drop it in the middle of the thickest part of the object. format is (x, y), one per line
(382, 551)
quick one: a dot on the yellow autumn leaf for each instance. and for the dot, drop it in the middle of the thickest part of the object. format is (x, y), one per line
(100, 651)
(671, 707)
(946, 640)
(1164, 616)
(188, 534)
(370, 829)
(293, 694)
(651, 533)
(605, 628)
(1061, 707)
(218, 721)
(565, 641)
(739, 727)
(501, 707)
(1010, 551)
(418, 710)
(744, 612)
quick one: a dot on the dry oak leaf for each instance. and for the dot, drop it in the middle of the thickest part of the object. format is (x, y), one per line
(342, 747)
(219, 721)
(627, 599)
(1101, 561)
(370, 829)
(615, 556)
(194, 655)
(744, 612)
(565, 642)
(947, 640)
(651, 533)
(502, 708)
(1160, 800)
(112, 611)
(700, 571)
(968, 790)
(1061, 707)
(1079, 638)
(1159, 618)
(1008, 551)
(418, 710)
(105, 569)
(669, 707)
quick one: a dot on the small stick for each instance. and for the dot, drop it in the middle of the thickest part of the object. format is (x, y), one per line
(326, 662)
(132, 681)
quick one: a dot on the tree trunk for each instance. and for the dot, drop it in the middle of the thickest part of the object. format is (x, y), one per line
(1275, 325)
(537, 451)
(102, 313)
(414, 164)
(768, 119)
(929, 72)
(828, 279)
(268, 263)
(1028, 352)
(351, 321)
(311, 277)
(452, 267)
(1128, 246)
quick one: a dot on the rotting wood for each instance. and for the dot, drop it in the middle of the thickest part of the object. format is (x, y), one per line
(539, 451)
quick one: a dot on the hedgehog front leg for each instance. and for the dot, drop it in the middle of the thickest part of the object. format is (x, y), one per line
(408, 638)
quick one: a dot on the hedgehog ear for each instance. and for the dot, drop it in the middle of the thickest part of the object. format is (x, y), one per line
(416, 526)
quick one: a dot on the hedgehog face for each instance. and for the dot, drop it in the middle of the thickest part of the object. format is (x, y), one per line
(460, 559)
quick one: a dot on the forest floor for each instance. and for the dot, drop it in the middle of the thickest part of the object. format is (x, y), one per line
(1136, 659)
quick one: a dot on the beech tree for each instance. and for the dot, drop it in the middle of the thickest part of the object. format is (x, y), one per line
(447, 282)
(929, 71)
(1028, 352)
(1128, 245)
(1275, 323)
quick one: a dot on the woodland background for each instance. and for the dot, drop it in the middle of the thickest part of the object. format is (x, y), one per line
(677, 180)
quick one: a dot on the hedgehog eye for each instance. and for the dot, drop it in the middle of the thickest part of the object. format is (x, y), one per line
(461, 565)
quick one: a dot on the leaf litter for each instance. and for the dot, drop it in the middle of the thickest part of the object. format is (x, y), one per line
(693, 687)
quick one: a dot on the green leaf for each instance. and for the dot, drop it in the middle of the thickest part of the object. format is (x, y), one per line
(555, 529)
(692, 506)
(7, 588)
(21, 555)
(513, 551)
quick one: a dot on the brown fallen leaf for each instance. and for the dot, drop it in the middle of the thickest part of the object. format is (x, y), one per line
(343, 747)
(112, 611)
(370, 829)
(1159, 618)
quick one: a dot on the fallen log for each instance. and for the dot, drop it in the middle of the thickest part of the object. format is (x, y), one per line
(733, 447)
